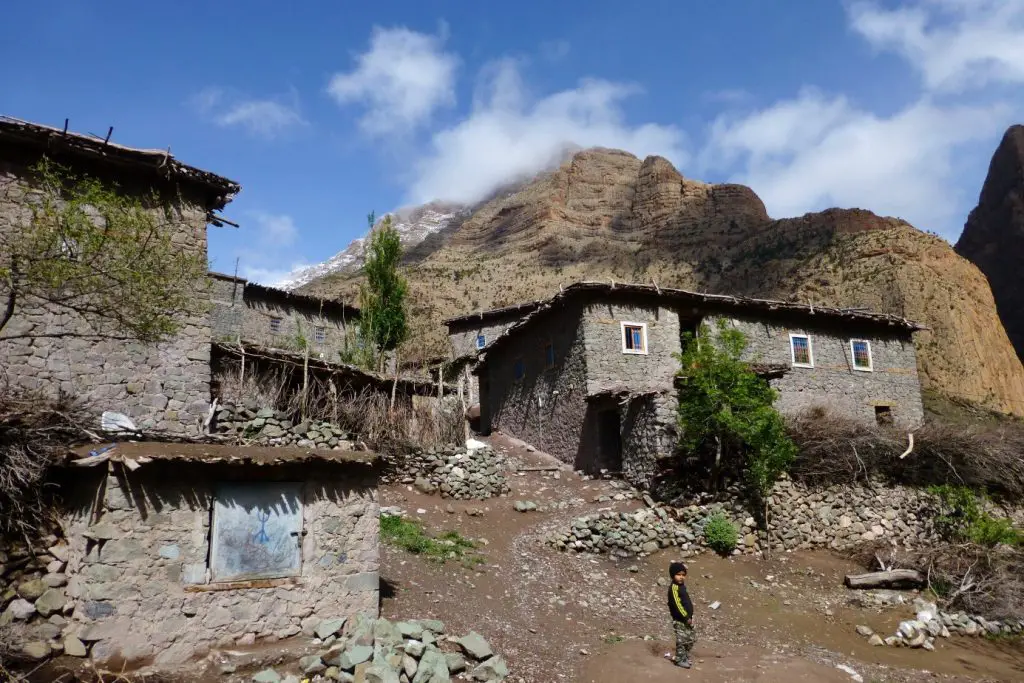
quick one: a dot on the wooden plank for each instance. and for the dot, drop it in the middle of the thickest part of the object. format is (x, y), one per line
(894, 578)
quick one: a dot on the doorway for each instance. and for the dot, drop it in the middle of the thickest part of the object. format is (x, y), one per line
(609, 440)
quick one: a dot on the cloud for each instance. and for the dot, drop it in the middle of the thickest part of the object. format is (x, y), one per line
(401, 81)
(266, 118)
(957, 45)
(816, 151)
(509, 134)
(270, 277)
(275, 229)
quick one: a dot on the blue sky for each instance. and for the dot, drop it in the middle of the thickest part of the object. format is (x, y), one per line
(325, 111)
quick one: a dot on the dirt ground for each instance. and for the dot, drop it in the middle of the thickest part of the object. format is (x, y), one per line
(563, 617)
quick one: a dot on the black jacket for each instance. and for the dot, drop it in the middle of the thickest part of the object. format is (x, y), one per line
(679, 603)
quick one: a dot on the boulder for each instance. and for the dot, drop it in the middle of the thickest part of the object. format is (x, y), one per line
(433, 668)
(311, 664)
(353, 656)
(456, 662)
(37, 650)
(494, 669)
(475, 646)
(21, 609)
(329, 627)
(50, 602)
(31, 589)
(267, 676)
(380, 673)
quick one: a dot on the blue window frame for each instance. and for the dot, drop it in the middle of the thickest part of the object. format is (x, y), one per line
(549, 355)
(481, 341)
(519, 368)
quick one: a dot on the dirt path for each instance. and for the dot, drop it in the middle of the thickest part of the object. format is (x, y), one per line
(561, 617)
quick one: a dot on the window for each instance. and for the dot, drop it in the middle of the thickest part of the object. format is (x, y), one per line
(801, 350)
(257, 531)
(320, 334)
(519, 369)
(481, 341)
(860, 349)
(549, 355)
(634, 338)
(883, 415)
(275, 325)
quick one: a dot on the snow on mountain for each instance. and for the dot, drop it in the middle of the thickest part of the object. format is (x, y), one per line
(414, 224)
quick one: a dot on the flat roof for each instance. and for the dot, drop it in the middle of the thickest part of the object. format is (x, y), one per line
(143, 452)
(328, 306)
(157, 163)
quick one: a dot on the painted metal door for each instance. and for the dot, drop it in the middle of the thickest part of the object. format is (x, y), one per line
(257, 531)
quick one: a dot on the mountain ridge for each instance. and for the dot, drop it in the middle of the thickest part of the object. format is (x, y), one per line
(605, 214)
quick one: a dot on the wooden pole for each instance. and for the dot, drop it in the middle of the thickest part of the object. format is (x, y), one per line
(305, 379)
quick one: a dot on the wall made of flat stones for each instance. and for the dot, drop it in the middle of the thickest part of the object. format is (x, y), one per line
(163, 386)
(649, 434)
(240, 312)
(833, 383)
(547, 407)
(462, 338)
(608, 364)
(137, 574)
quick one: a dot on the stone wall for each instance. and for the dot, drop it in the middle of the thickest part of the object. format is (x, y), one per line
(268, 427)
(242, 311)
(832, 382)
(608, 365)
(462, 337)
(649, 434)
(547, 407)
(163, 386)
(138, 573)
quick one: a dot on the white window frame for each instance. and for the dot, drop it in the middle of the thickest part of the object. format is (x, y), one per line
(792, 350)
(622, 337)
(480, 341)
(853, 356)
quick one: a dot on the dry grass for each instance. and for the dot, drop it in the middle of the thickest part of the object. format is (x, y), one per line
(35, 432)
(984, 456)
(384, 425)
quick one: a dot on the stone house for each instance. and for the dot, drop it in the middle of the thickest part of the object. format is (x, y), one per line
(589, 375)
(173, 549)
(275, 318)
(470, 334)
(164, 386)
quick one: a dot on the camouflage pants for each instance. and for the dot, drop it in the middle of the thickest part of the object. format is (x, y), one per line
(686, 636)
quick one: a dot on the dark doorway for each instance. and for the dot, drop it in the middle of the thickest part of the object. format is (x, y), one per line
(609, 441)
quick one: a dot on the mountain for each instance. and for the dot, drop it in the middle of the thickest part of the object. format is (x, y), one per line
(993, 238)
(414, 225)
(605, 214)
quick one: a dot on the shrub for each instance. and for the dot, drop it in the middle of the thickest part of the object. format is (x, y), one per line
(720, 534)
(961, 518)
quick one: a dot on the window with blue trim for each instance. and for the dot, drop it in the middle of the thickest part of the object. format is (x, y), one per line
(481, 341)
(519, 368)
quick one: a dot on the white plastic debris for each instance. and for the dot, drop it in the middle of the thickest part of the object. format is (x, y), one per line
(116, 422)
(474, 445)
(853, 674)
(715, 605)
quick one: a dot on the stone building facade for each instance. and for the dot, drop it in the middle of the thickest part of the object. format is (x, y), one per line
(589, 376)
(205, 546)
(275, 318)
(48, 348)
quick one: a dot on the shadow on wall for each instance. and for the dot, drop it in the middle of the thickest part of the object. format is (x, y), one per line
(601, 441)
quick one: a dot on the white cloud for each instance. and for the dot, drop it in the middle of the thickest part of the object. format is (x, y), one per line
(270, 277)
(956, 44)
(509, 134)
(275, 229)
(816, 151)
(401, 80)
(266, 118)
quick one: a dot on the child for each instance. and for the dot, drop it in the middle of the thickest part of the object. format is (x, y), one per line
(681, 608)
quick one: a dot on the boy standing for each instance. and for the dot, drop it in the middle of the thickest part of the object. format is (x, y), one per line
(681, 608)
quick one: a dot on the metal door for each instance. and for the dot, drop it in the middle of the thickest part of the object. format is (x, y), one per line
(257, 531)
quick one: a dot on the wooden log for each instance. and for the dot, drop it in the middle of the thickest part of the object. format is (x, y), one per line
(894, 578)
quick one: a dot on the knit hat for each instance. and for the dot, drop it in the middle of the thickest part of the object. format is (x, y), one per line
(676, 567)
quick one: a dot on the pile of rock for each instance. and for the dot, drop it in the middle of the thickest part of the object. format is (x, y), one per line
(455, 472)
(268, 427)
(380, 651)
(930, 623)
(34, 599)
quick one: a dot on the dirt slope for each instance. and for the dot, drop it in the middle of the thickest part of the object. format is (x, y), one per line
(605, 214)
(993, 237)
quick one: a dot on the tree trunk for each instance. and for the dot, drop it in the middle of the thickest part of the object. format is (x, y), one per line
(715, 471)
(894, 578)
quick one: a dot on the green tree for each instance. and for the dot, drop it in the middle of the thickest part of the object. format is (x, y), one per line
(382, 298)
(87, 248)
(726, 412)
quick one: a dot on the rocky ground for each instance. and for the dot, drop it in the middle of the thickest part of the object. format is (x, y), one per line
(559, 616)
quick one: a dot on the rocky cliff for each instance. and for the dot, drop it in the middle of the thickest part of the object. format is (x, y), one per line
(605, 214)
(993, 238)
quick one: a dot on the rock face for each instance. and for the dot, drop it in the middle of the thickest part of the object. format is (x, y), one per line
(993, 238)
(605, 214)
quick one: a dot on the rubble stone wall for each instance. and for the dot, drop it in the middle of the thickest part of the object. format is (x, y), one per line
(161, 386)
(138, 578)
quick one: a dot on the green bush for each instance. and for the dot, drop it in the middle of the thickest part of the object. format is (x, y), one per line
(721, 534)
(961, 518)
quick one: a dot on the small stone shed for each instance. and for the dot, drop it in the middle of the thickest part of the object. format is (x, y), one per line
(590, 374)
(250, 312)
(176, 548)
